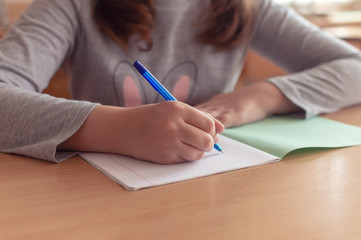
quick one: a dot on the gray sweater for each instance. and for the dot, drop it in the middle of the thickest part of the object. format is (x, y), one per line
(325, 72)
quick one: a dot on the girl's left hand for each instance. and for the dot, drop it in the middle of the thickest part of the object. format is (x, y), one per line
(247, 104)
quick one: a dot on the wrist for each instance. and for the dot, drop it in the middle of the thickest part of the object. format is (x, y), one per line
(271, 99)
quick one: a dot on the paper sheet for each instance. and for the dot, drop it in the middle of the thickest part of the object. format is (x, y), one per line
(271, 139)
(135, 174)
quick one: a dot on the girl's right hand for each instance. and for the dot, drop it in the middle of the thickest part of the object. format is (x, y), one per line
(167, 132)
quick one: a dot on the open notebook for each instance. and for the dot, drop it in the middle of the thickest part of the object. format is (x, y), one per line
(258, 143)
(135, 174)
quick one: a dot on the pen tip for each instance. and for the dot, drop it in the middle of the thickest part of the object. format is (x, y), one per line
(218, 148)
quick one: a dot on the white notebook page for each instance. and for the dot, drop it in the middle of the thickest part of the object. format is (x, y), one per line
(135, 174)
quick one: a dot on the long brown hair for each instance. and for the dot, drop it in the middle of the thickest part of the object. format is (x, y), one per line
(225, 23)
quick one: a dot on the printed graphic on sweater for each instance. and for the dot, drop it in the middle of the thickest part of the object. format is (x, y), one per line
(131, 89)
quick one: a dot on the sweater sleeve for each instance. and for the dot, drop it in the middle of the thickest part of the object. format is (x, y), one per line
(32, 123)
(323, 71)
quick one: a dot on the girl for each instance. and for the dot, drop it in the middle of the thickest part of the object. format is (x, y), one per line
(196, 48)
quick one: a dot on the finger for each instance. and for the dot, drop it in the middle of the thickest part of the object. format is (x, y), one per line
(197, 138)
(216, 139)
(222, 119)
(190, 153)
(226, 119)
(219, 127)
(182, 153)
(213, 113)
(200, 120)
(173, 160)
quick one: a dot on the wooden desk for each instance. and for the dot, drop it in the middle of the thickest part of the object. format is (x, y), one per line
(307, 196)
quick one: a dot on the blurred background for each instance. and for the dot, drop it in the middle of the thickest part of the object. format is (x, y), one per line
(340, 18)
(322, 6)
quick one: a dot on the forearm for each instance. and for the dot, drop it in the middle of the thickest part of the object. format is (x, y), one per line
(325, 88)
(97, 134)
(33, 124)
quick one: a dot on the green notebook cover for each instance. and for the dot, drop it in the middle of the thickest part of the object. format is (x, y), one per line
(281, 135)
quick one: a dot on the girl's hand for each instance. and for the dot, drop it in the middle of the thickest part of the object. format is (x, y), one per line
(247, 104)
(168, 132)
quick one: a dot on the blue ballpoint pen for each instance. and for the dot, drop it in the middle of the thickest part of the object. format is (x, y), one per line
(160, 88)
